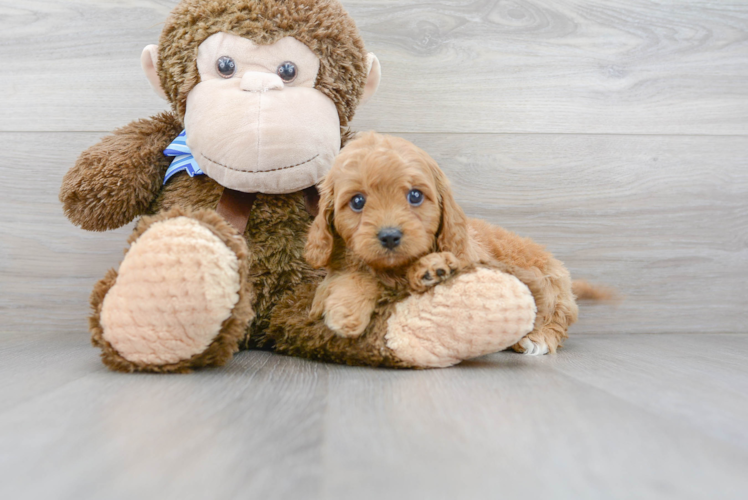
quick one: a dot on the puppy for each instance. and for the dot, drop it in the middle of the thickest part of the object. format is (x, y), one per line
(388, 219)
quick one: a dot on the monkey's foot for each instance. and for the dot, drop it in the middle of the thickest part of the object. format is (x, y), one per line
(473, 314)
(180, 299)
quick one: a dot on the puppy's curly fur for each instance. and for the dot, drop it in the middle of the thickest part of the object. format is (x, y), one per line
(434, 241)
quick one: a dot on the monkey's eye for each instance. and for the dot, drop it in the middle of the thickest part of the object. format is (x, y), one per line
(357, 203)
(287, 71)
(226, 67)
(415, 198)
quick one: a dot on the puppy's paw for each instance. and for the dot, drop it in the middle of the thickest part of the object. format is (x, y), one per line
(547, 340)
(531, 348)
(347, 322)
(317, 310)
(431, 270)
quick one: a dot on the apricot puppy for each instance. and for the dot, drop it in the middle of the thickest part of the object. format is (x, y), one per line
(388, 219)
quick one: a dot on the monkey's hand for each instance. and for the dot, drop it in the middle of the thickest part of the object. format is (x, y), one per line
(431, 270)
(117, 179)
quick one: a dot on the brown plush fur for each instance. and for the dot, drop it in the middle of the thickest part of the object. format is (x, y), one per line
(116, 180)
(296, 334)
(233, 329)
(437, 240)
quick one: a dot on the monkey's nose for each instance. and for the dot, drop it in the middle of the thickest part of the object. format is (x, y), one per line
(390, 237)
(257, 81)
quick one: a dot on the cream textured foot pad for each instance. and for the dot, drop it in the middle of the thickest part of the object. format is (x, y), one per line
(477, 313)
(177, 285)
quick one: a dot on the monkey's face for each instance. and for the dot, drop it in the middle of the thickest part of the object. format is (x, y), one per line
(263, 87)
(255, 122)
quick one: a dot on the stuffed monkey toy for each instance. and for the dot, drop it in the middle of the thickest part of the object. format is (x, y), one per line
(262, 93)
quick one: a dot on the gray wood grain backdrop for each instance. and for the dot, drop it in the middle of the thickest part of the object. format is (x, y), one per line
(616, 133)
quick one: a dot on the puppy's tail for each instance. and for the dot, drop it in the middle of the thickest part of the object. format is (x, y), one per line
(584, 290)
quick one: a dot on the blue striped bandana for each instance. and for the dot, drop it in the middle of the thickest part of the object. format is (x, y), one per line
(183, 158)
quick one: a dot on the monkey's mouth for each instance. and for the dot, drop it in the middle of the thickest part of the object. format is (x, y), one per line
(244, 171)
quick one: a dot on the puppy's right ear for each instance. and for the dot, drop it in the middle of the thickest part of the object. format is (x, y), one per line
(319, 243)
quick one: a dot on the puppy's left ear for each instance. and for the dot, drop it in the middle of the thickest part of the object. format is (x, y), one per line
(319, 243)
(453, 231)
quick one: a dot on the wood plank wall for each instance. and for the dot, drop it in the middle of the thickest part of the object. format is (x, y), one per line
(616, 133)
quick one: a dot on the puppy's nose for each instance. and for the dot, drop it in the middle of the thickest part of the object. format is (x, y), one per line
(390, 237)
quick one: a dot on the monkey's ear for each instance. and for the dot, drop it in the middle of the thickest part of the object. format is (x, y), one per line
(149, 62)
(320, 241)
(373, 78)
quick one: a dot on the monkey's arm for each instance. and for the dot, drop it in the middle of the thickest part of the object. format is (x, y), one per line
(117, 179)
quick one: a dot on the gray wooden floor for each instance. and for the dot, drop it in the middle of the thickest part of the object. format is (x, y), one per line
(611, 416)
(615, 133)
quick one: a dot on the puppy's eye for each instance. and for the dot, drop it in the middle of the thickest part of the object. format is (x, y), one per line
(357, 203)
(415, 198)
(226, 67)
(287, 71)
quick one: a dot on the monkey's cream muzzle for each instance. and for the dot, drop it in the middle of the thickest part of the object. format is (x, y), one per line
(251, 131)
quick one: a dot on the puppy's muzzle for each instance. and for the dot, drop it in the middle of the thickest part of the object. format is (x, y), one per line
(390, 237)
